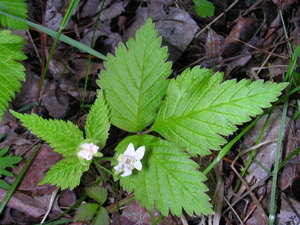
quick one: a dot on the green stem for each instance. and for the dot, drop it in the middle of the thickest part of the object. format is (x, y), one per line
(102, 167)
(112, 159)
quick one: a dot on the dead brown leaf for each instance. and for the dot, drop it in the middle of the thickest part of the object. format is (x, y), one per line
(175, 25)
(243, 31)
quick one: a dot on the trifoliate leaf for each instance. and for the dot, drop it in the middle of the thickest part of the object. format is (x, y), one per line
(86, 212)
(101, 218)
(97, 193)
(97, 122)
(198, 108)
(64, 137)
(16, 8)
(11, 72)
(66, 173)
(134, 81)
(204, 8)
(168, 178)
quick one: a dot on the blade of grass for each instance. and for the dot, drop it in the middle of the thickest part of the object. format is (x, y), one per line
(294, 90)
(290, 71)
(293, 63)
(27, 107)
(158, 219)
(287, 77)
(297, 113)
(64, 22)
(276, 163)
(293, 153)
(90, 57)
(252, 153)
(18, 179)
(62, 221)
(62, 37)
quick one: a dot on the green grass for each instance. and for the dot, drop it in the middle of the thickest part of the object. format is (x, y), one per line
(62, 37)
(288, 77)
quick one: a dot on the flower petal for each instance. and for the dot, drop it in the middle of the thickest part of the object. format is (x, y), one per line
(127, 172)
(85, 154)
(85, 146)
(139, 154)
(130, 150)
(119, 167)
(82, 153)
(94, 148)
(89, 157)
(137, 165)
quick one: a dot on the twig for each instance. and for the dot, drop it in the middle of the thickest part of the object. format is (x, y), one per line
(252, 210)
(111, 208)
(217, 18)
(244, 182)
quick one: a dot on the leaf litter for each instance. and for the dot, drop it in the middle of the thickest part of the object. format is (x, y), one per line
(237, 43)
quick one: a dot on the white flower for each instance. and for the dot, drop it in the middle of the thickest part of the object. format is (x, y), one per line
(130, 159)
(87, 151)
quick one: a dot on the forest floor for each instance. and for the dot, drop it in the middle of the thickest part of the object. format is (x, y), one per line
(244, 39)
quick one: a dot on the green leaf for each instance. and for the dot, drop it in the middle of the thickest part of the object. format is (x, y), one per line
(16, 8)
(66, 173)
(97, 193)
(297, 112)
(4, 184)
(101, 218)
(86, 212)
(64, 137)
(7, 161)
(3, 151)
(204, 8)
(97, 122)
(198, 108)
(134, 81)
(6, 173)
(11, 72)
(168, 179)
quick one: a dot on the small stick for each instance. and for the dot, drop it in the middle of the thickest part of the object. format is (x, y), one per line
(217, 18)
(252, 210)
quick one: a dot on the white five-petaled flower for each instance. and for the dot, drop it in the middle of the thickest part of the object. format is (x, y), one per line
(130, 159)
(87, 151)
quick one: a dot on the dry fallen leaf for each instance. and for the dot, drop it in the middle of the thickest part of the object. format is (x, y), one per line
(175, 25)
(266, 154)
